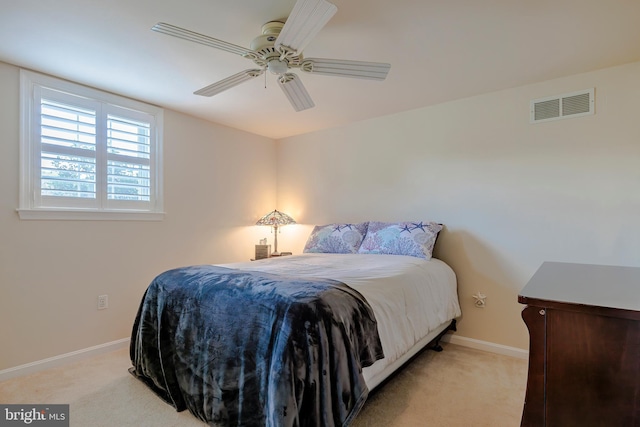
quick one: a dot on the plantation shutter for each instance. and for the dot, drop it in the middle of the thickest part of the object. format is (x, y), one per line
(67, 173)
(128, 148)
(87, 154)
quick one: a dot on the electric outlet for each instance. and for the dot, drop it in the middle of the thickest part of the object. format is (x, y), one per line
(103, 302)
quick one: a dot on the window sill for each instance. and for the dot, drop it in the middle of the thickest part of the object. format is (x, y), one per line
(88, 215)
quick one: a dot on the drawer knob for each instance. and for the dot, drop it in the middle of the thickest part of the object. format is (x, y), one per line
(542, 312)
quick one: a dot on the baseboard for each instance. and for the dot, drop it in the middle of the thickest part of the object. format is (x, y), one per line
(75, 356)
(63, 359)
(486, 346)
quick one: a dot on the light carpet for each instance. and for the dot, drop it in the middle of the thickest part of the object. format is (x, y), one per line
(459, 387)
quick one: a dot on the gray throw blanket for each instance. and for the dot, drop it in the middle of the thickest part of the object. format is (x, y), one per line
(242, 348)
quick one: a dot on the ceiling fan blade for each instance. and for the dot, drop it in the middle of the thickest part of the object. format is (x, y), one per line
(192, 36)
(298, 96)
(305, 21)
(346, 68)
(228, 83)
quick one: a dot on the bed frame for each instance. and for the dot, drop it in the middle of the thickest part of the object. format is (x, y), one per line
(430, 342)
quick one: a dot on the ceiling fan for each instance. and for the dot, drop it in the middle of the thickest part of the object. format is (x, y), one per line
(279, 49)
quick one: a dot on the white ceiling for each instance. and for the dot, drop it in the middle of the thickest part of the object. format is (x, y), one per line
(438, 51)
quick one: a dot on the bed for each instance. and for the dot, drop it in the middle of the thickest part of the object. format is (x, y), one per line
(369, 312)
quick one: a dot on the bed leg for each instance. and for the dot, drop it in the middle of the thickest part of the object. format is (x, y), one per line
(435, 344)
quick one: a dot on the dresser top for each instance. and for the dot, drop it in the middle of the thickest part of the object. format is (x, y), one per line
(587, 284)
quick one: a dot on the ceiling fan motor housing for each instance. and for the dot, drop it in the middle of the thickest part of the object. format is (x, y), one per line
(263, 45)
(270, 32)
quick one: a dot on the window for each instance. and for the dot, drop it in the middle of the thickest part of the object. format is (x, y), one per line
(86, 154)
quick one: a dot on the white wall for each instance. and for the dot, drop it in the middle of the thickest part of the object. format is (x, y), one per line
(511, 194)
(218, 182)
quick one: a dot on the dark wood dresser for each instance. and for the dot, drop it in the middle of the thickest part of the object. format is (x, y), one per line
(584, 353)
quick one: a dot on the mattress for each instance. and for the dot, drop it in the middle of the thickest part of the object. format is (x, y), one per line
(413, 299)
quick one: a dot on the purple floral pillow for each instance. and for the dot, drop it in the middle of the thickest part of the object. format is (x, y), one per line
(336, 238)
(401, 238)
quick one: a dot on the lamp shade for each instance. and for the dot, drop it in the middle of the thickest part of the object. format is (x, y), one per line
(275, 219)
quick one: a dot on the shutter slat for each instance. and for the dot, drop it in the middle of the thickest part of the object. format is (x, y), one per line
(57, 142)
(65, 109)
(55, 149)
(129, 155)
(59, 119)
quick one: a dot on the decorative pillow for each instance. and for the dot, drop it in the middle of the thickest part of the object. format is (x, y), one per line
(401, 238)
(336, 238)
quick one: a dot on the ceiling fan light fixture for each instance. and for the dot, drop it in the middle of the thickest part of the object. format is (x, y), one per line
(277, 66)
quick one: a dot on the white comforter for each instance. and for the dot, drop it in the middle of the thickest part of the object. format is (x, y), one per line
(410, 297)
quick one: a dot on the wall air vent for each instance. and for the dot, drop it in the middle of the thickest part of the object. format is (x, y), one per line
(573, 104)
